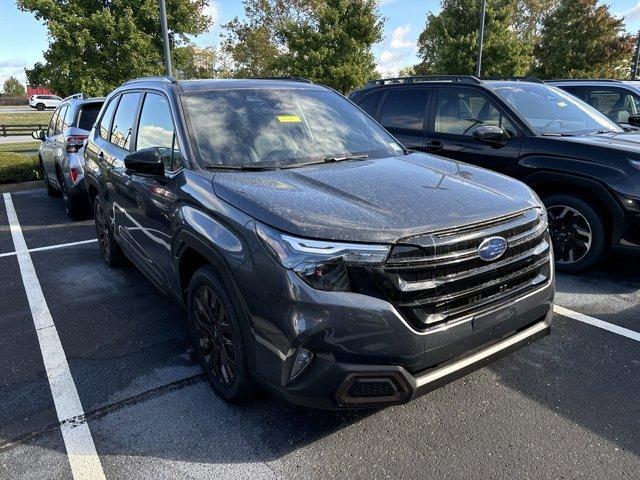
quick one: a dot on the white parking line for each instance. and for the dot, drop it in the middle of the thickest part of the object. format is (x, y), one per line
(610, 327)
(78, 441)
(52, 247)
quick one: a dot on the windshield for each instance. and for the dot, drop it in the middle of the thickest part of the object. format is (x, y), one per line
(280, 128)
(549, 110)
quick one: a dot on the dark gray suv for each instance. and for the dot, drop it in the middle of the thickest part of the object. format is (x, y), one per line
(315, 256)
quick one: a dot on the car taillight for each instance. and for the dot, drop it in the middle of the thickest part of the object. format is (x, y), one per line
(73, 173)
(75, 143)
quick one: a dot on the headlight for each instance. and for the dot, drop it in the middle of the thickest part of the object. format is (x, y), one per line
(321, 264)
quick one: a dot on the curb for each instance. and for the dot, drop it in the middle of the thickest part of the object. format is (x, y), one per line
(18, 187)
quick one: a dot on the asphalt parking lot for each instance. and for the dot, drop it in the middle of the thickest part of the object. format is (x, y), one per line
(566, 407)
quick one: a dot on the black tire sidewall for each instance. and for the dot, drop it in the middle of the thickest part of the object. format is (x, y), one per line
(598, 240)
(40, 107)
(242, 388)
(115, 257)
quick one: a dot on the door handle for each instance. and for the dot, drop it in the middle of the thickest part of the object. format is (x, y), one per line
(433, 146)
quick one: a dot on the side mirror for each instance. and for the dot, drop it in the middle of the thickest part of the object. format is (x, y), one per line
(634, 120)
(38, 135)
(147, 161)
(489, 133)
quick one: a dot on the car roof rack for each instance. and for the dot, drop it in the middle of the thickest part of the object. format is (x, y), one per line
(584, 80)
(164, 78)
(426, 78)
(291, 79)
(516, 78)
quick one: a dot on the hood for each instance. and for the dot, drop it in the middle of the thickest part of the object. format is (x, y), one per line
(628, 141)
(379, 200)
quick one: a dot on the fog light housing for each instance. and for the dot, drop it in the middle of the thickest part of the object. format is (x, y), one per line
(301, 361)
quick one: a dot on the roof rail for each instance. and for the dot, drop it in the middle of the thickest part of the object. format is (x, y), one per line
(584, 80)
(78, 96)
(426, 78)
(164, 78)
(516, 78)
(292, 79)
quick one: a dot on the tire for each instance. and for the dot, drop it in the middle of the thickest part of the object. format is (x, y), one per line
(214, 324)
(40, 107)
(577, 232)
(111, 251)
(72, 205)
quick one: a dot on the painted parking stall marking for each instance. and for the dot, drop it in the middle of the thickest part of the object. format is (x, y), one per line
(52, 247)
(81, 450)
(580, 317)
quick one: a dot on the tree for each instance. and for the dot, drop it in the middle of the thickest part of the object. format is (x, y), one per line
(449, 42)
(253, 43)
(335, 48)
(96, 45)
(37, 76)
(193, 62)
(13, 87)
(580, 38)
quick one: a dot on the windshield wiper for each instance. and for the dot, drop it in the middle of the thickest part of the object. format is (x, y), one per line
(600, 132)
(254, 168)
(554, 134)
(345, 158)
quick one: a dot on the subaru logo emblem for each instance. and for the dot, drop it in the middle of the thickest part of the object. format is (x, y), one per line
(492, 248)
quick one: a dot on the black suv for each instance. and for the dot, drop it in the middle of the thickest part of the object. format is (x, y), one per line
(314, 255)
(585, 167)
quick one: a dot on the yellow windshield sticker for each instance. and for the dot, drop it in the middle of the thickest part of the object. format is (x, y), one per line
(289, 119)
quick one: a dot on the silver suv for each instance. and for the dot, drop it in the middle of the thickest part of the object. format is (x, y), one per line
(617, 99)
(60, 154)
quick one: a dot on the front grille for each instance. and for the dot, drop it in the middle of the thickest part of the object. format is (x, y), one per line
(438, 278)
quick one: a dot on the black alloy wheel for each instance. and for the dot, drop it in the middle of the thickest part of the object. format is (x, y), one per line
(215, 326)
(577, 233)
(215, 336)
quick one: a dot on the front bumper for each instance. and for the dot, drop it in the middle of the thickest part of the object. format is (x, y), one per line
(409, 363)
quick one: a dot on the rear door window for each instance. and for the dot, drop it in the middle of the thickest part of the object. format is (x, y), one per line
(52, 124)
(60, 120)
(370, 103)
(123, 120)
(615, 103)
(88, 114)
(405, 109)
(105, 121)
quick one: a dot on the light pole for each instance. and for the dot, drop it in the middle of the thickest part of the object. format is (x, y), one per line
(165, 38)
(483, 8)
(634, 71)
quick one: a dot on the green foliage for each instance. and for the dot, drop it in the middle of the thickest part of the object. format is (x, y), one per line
(334, 49)
(580, 38)
(193, 62)
(96, 45)
(253, 43)
(449, 42)
(18, 167)
(37, 76)
(30, 118)
(13, 87)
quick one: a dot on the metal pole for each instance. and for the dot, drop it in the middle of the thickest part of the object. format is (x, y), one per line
(481, 38)
(165, 38)
(634, 71)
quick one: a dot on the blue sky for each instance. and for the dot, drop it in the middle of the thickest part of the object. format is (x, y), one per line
(23, 38)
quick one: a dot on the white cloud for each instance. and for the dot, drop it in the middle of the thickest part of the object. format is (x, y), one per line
(389, 63)
(212, 9)
(12, 68)
(398, 37)
(632, 14)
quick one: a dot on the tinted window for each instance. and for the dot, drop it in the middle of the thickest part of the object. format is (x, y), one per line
(123, 120)
(155, 129)
(280, 127)
(571, 90)
(60, 120)
(615, 103)
(370, 103)
(52, 124)
(105, 122)
(68, 118)
(88, 114)
(458, 112)
(404, 109)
